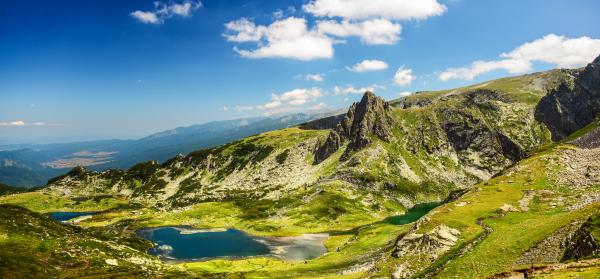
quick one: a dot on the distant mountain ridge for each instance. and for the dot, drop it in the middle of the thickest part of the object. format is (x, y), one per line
(28, 165)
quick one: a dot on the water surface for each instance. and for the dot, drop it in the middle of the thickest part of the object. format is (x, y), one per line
(187, 244)
(412, 214)
(66, 216)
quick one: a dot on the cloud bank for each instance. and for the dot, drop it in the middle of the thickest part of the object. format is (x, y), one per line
(559, 51)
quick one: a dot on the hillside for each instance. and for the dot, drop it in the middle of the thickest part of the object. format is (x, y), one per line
(5, 189)
(421, 154)
(513, 163)
(34, 246)
(29, 165)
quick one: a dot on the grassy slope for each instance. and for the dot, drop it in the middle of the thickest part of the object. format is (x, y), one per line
(513, 232)
(35, 246)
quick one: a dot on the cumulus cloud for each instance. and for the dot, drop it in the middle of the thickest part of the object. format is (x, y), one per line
(363, 9)
(349, 89)
(298, 96)
(286, 38)
(404, 94)
(315, 77)
(286, 100)
(146, 17)
(368, 66)
(163, 11)
(403, 77)
(244, 30)
(481, 67)
(559, 51)
(375, 22)
(371, 32)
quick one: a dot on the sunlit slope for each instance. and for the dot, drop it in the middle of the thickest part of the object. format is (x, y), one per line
(536, 212)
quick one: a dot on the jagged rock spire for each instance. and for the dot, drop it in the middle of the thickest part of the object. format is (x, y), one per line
(367, 118)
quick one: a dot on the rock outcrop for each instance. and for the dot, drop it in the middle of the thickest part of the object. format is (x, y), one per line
(570, 107)
(582, 243)
(432, 243)
(367, 118)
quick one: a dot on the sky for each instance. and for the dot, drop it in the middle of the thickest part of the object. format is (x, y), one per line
(76, 70)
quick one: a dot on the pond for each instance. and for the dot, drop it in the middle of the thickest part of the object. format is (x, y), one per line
(66, 216)
(412, 214)
(188, 244)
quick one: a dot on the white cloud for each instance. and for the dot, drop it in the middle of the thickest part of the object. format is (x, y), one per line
(315, 77)
(163, 11)
(244, 30)
(375, 22)
(287, 101)
(552, 49)
(481, 67)
(369, 65)
(349, 89)
(272, 104)
(363, 9)
(319, 106)
(403, 77)
(17, 123)
(371, 32)
(404, 94)
(224, 108)
(184, 9)
(287, 38)
(298, 96)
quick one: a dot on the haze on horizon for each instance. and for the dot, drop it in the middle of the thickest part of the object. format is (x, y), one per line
(85, 70)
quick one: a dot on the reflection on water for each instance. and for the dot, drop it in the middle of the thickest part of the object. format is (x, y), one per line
(187, 244)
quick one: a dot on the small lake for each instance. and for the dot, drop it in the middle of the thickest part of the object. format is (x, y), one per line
(188, 244)
(66, 216)
(412, 214)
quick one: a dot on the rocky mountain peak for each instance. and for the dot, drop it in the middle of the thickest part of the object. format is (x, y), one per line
(367, 118)
(571, 107)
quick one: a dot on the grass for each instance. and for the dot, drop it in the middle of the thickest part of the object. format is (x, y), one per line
(513, 232)
(46, 202)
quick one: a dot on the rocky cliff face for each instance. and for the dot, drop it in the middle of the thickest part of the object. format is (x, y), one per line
(367, 118)
(582, 242)
(574, 104)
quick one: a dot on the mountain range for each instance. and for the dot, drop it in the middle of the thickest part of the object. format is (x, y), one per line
(30, 165)
(511, 166)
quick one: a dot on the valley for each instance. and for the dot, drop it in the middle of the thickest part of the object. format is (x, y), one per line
(483, 181)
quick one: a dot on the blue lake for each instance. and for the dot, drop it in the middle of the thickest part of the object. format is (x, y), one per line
(187, 244)
(66, 216)
(412, 214)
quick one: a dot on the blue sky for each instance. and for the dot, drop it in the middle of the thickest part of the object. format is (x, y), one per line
(81, 70)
